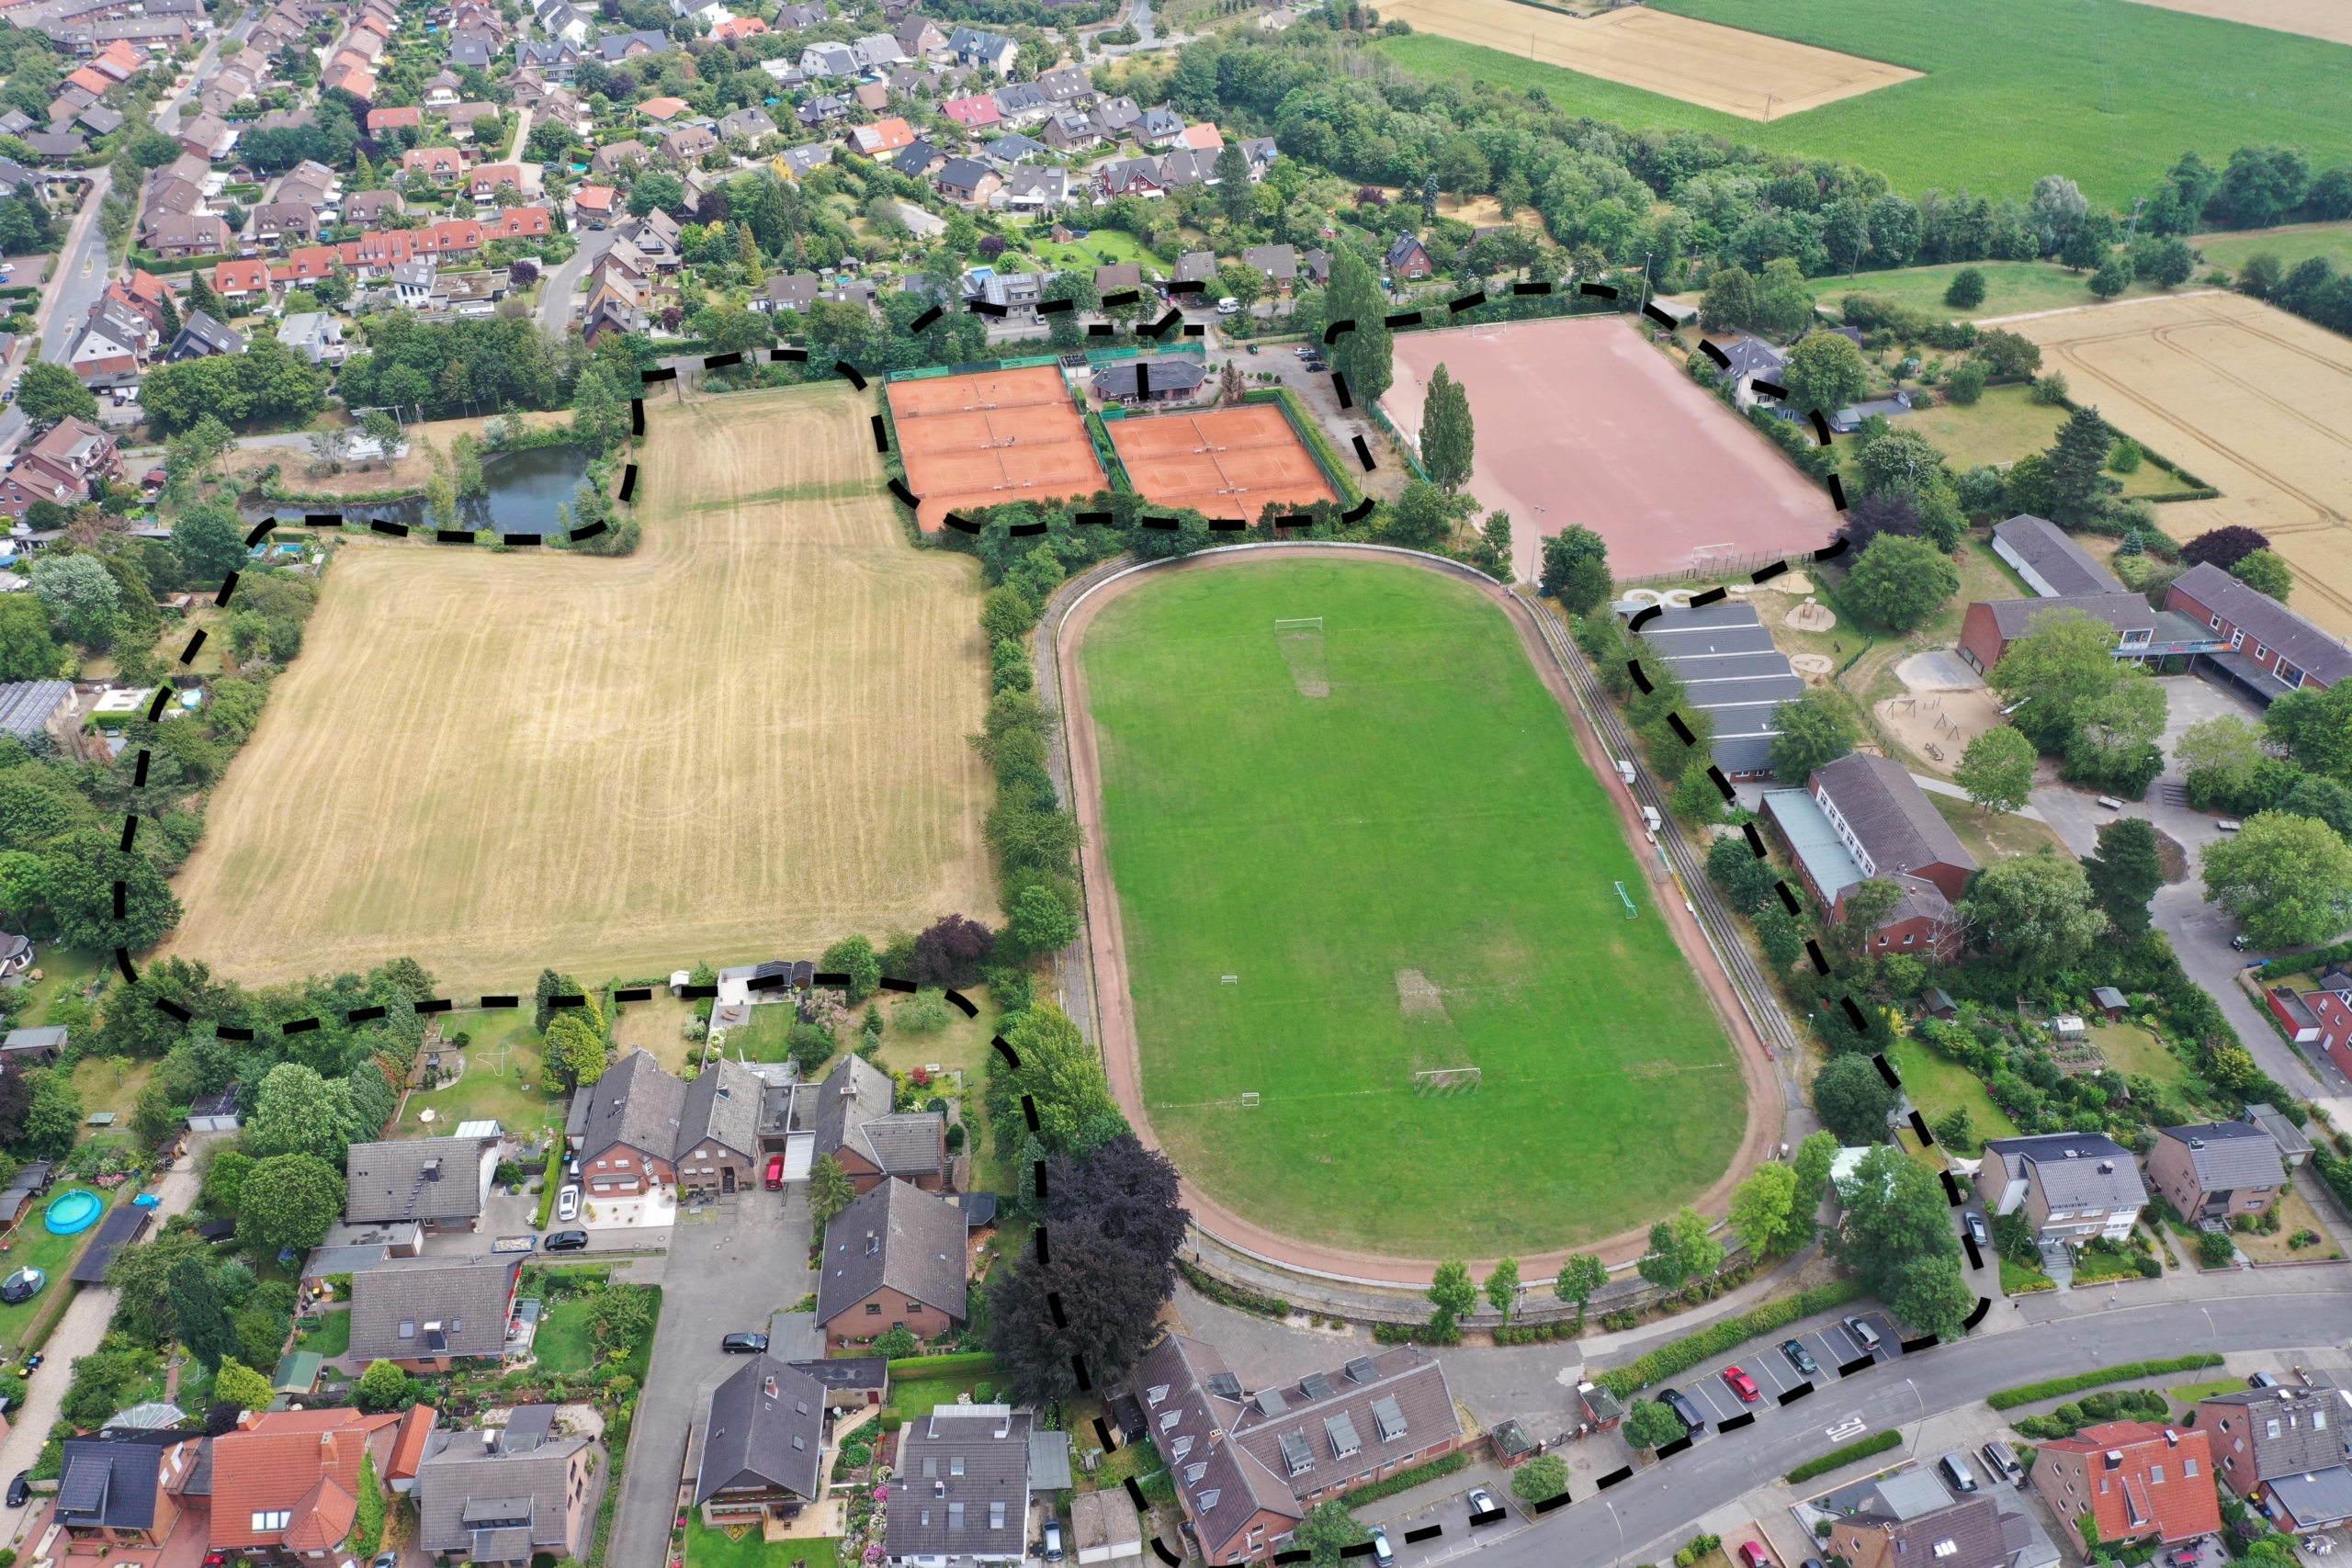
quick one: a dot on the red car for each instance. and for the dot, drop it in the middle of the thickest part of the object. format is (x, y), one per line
(775, 1174)
(1742, 1385)
(1754, 1556)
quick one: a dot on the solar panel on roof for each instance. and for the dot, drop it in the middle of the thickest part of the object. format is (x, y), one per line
(84, 1490)
(1223, 1385)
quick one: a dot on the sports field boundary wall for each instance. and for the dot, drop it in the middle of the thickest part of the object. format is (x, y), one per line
(1311, 436)
(1030, 362)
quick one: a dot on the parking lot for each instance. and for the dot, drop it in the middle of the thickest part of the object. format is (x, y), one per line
(1831, 1346)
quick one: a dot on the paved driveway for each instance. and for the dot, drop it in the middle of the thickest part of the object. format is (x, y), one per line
(730, 1268)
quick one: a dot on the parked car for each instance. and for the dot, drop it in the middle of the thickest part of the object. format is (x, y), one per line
(1228, 306)
(2229, 825)
(1740, 1383)
(567, 1205)
(775, 1174)
(1053, 1540)
(743, 1344)
(1800, 1357)
(1306, 351)
(1679, 1403)
(2262, 1379)
(1383, 1554)
(2241, 941)
(1481, 1502)
(20, 1489)
(2004, 1460)
(1864, 1334)
(1977, 1229)
(22, 1286)
(565, 1241)
(1753, 1555)
(1956, 1470)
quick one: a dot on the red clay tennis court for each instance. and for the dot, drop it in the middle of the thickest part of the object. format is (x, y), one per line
(1582, 420)
(975, 441)
(1225, 463)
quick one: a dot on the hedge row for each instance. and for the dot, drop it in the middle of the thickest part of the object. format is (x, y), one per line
(1405, 1479)
(1538, 1333)
(2009, 1398)
(1876, 1443)
(2279, 969)
(1414, 1334)
(1681, 1355)
(942, 1366)
(1233, 1296)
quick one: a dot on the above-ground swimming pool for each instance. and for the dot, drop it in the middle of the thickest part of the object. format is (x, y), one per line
(72, 1213)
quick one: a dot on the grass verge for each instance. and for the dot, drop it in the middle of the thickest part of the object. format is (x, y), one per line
(2052, 1388)
(1876, 1443)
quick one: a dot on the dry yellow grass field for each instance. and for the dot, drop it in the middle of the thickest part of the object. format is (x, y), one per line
(2329, 19)
(429, 444)
(740, 742)
(1739, 72)
(2249, 398)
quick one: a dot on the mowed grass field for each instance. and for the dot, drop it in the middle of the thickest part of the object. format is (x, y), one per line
(1432, 821)
(740, 742)
(2105, 91)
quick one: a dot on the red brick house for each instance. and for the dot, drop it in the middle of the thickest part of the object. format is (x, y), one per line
(856, 1123)
(433, 163)
(1864, 819)
(2137, 1481)
(122, 1491)
(895, 1259)
(241, 279)
(2271, 649)
(70, 462)
(2218, 1171)
(289, 1481)
(2335, 1019)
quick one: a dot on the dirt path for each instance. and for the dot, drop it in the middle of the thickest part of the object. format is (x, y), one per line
(1115, 1003)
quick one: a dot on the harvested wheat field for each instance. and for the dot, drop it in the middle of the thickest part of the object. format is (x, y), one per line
(975, 441)
(742, 741)
(2249, 398)
(2329, 19)
(1223, 463)
(1751, 74)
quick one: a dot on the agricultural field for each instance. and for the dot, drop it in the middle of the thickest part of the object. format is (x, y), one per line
(1383, 830)
(742, 741)
(2000, 427)
(2312, 19)
(2246, 398)
(2291, 243)
(2011, 289)
(2108, 92)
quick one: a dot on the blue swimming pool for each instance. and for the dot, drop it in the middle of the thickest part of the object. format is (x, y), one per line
(72, 1213)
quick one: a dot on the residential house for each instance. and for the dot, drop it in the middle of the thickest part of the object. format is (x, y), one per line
(895, 1259)
(1908, 1519)
(2071, 1186)
(1409, 259)
(738, 28)
(408, 119)
(963, 1490)
(462, 117)
(794, 291)
(763, 1445)
(121, 1489)
(2268, 648)
(646, 1128)
(883, 136)
(975, 112)
(281, 223)
(556, 60)
(207, 136)
(286, 1484)
(1118, 278)
(1069, 87)
(484, 182)
(310, 183)
(2136, 1480)
(2283, 1449)
(2053, 565)
(369, 208)
(1115, 117)
(1151, 380)
(796, 161)
(2217, 1171)
(439, 1183)
(797, 17)
(2294, 1148)
(614, 155)
(1026, 189)
(1183, 166)
(822, 60)
(877, 51)
(918, 161)
(613, 48)
(1068, 130)
(306, 264)
(239, 281)
(427, 1314)
(1277, 263)
(593, 206)
(55, 145)
(515, 223)
(853, 1117)
(1161, 127)
(76, 454)
(200, 336)
(414, 282)
(751, 124)
(349, 76)
(1202, 138)
(968, 182)
(918, 37)
(1019, 103)
(1249, 1467)
(821, 110)
(1317, 263)
(468, 52)
(982, 50)
(1196, 266)
(1726, 660)
(175, 237)
(656, 235)
(1262, 152)
(1883, 829)
(432, 162)
(503, 1496)
(687, 143)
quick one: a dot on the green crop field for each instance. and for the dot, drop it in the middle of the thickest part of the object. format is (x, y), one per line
(2105, 92)
(1416, 871)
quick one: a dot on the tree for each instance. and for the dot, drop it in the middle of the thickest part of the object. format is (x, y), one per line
(1897, 1234)
(226, 1183)
(1421, 518)
(368, 1518)
(382, 1386)
(1328, 1532)
(2265, 571)
(2051, 673)
(1125, 1196)
(1580, 1275)
(2261, 185)
(1765, 1213)
(1576, 570)
(152, 1123)
(619, 1318)
(829, 1191)
(1681, 1251)
(1824, 372)
(26, 650)
(1448, 439)
(1649, 1425)
(2126, 873)
(203, 1326)
(1730, 299)
(48, 393)
(1967, 290)
(2223, 548)
(1853, 1101)
(951, 950)
(1453, 1294)
(2035, 910)
(1062, 1075)
(208, 541)
(1784, 303)
(52, 1116)
(2222, 757)
(1746, 881)
(1997, 769)
(289, 1200)
(1899, 582)
(1814, 1158)
(2316, 796)
(2315, 726)
(240, 1385)
(1040, 922)
(2286, 878)
(2114, 743)
(2077, 497)
(1107, 1313)
(297, 1111)
(1236, 197)
(81, 595)
(1540, 1479)
(2010, 356)
(552, 985)
(1365, 356)
(854, 956)
(1502, 1287)
(1814, 730)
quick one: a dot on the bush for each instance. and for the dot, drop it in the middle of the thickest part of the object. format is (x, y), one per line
(2215, 1251)
(1545, 1476)
(1233, 1296)
(1876, 1443)
(1681, 1355)
(2049, 390)
(2027, 1393)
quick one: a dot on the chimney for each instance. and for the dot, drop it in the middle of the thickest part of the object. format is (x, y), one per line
(2107, 1167)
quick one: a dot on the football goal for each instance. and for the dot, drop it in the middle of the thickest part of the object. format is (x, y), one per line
(1301, 640)
(1627, 899)
(1446, 1081)
(1301, 623)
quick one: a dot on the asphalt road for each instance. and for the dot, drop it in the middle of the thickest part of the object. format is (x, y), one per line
(555, 293)
(1660, 1500)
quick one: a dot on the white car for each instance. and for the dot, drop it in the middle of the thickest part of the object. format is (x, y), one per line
(1228, 306)
(567, 1204)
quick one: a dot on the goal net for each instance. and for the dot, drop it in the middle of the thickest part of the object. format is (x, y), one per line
(1302, 624)
(1301, 640)
(1446, 1081)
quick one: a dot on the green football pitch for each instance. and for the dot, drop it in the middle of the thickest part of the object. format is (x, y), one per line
(1414, 869)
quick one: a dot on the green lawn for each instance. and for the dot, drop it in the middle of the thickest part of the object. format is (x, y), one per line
(331, 1337)
(2191, 1392)
(1937, 1088)
(708, 1547)
(2130, 1049)
(63, 971)
(488, 1088)
(2018, 1279)
(1113, 243)
(2105, 91)
(31, 1246)
(760, 1038)
(1431, 817)
(2291, 244)
(916, 1397)
(2011, 289)
(563, 1344)
(1998, 428)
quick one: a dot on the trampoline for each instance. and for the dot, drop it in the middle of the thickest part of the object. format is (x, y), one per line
(72, 1213)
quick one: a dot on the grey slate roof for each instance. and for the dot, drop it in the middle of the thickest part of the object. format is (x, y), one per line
(1726, 658)
(2230, 1154)
(489, 1502)
(2267, 621)
(1924, 1523)
(844, 1377)
(2074, 1171)
(2316, 1497)
(1899, 828)
(896, 1238)
(415, 1178)
(722, 1106)
(2125, 612)
(963, 1483)
(110, 1481)
(766, 1429)
(2311, 1424)
(1119, 380)
(25, 706)
(853, 1110)
(635, 1103)
(2066, 566)
(466, 1296)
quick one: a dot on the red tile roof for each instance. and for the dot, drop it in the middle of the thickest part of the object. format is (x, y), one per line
(517, 222)
(2182, 1505)
(386, 119)
(977, 110)
(95, 83)
(241, 277)
(302, 1462)
(408, 1448)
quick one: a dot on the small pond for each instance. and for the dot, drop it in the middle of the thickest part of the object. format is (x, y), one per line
(525, 487)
